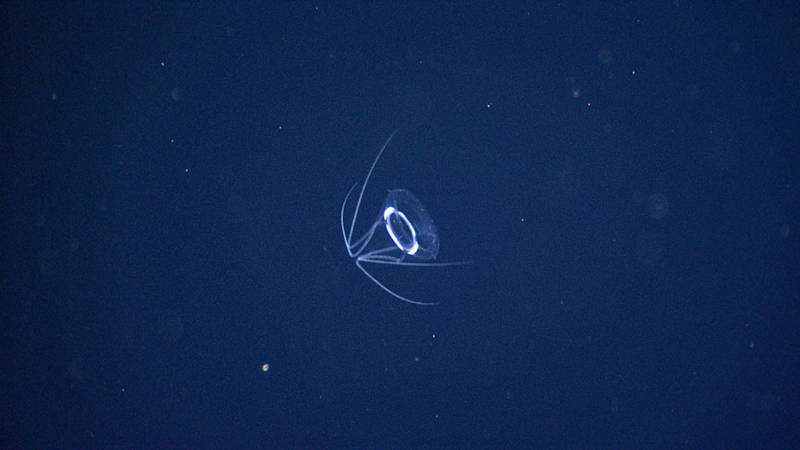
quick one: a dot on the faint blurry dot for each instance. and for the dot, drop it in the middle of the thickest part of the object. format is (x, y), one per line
(74, 245)
(177, 94)
(762, 401)
(604, 55)
(265, 368)
(691, 91)
(53, 96)
(785, 230)
(657, 206)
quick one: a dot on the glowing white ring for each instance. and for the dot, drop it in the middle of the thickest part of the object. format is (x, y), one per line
(387, 213)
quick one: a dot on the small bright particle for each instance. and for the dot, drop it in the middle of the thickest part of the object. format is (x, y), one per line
(265, 368)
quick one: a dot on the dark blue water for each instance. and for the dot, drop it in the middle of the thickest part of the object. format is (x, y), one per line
(623, 178)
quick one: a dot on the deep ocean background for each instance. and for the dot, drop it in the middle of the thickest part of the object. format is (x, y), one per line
(624, 177)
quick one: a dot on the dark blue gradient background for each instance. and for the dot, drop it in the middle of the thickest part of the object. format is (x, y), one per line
(624, 176)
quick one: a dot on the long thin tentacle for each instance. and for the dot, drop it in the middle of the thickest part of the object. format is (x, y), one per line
(364, 186)
(341, 218)
(394, 294)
